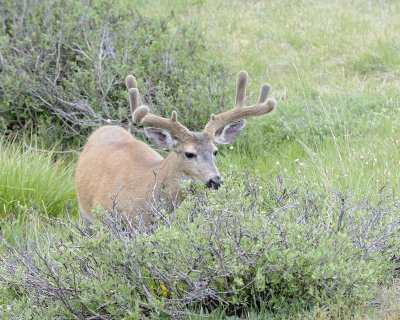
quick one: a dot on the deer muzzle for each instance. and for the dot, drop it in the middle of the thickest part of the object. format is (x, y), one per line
(214, 183)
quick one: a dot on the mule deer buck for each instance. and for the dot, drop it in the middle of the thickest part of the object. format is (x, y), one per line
(112, 161)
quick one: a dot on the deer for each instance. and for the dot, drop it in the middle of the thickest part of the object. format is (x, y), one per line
(114, 162)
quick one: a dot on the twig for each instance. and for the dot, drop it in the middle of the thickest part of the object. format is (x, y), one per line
(76, 151)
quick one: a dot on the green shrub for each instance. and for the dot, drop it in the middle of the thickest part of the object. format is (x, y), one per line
(64, 64)
(253, 244)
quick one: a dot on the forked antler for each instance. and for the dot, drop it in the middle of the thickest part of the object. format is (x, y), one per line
(240, 111)
(141, 115)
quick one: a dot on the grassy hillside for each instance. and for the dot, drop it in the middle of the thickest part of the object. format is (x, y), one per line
(334, 68)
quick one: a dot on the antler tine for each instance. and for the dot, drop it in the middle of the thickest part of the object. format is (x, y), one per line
(130, 82)
(240, 111)
(241, 84)
(264, 93)
(141, 115)
(134, 96)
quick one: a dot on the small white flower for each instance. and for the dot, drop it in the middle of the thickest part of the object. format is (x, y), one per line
(277, 163)
(231, 148)
(260, 187)
(108, 120)
(362, 158)
(297, 160)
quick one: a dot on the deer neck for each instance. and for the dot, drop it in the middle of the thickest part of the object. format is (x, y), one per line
(169, 174)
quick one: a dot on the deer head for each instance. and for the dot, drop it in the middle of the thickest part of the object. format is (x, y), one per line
(196, 151)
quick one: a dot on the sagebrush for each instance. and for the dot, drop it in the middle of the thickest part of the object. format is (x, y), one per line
(63, 66)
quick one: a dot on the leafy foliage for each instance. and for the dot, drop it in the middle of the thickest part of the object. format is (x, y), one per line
(63, 66)
(270, 246)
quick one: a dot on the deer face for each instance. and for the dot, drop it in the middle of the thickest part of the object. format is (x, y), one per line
(195, 155)
(196, 151)
(197, 160)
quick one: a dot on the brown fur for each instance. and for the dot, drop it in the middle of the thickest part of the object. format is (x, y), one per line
(113, 162)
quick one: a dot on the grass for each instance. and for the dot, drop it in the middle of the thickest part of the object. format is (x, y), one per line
(32, 180)
(334, 67)
(335, 163)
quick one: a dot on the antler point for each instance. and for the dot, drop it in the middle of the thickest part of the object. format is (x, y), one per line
(130, 82)
(140, 113)
(174, 116)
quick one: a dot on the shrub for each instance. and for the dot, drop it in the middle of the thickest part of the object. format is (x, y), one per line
(63, 66)
(269, 246)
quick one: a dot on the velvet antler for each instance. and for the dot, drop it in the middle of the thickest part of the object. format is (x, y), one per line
(141, 115)
(240, 111)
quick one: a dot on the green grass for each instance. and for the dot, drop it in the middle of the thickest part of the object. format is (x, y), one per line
(334, 68)
(360, 164)
(33, 180)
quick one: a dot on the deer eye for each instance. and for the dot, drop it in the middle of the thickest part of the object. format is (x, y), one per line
(215, 153)
(190, 155)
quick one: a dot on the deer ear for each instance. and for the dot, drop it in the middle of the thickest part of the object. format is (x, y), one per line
(161, 138)
(229, 132)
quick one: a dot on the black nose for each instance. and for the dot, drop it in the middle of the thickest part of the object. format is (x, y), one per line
(214, 183)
